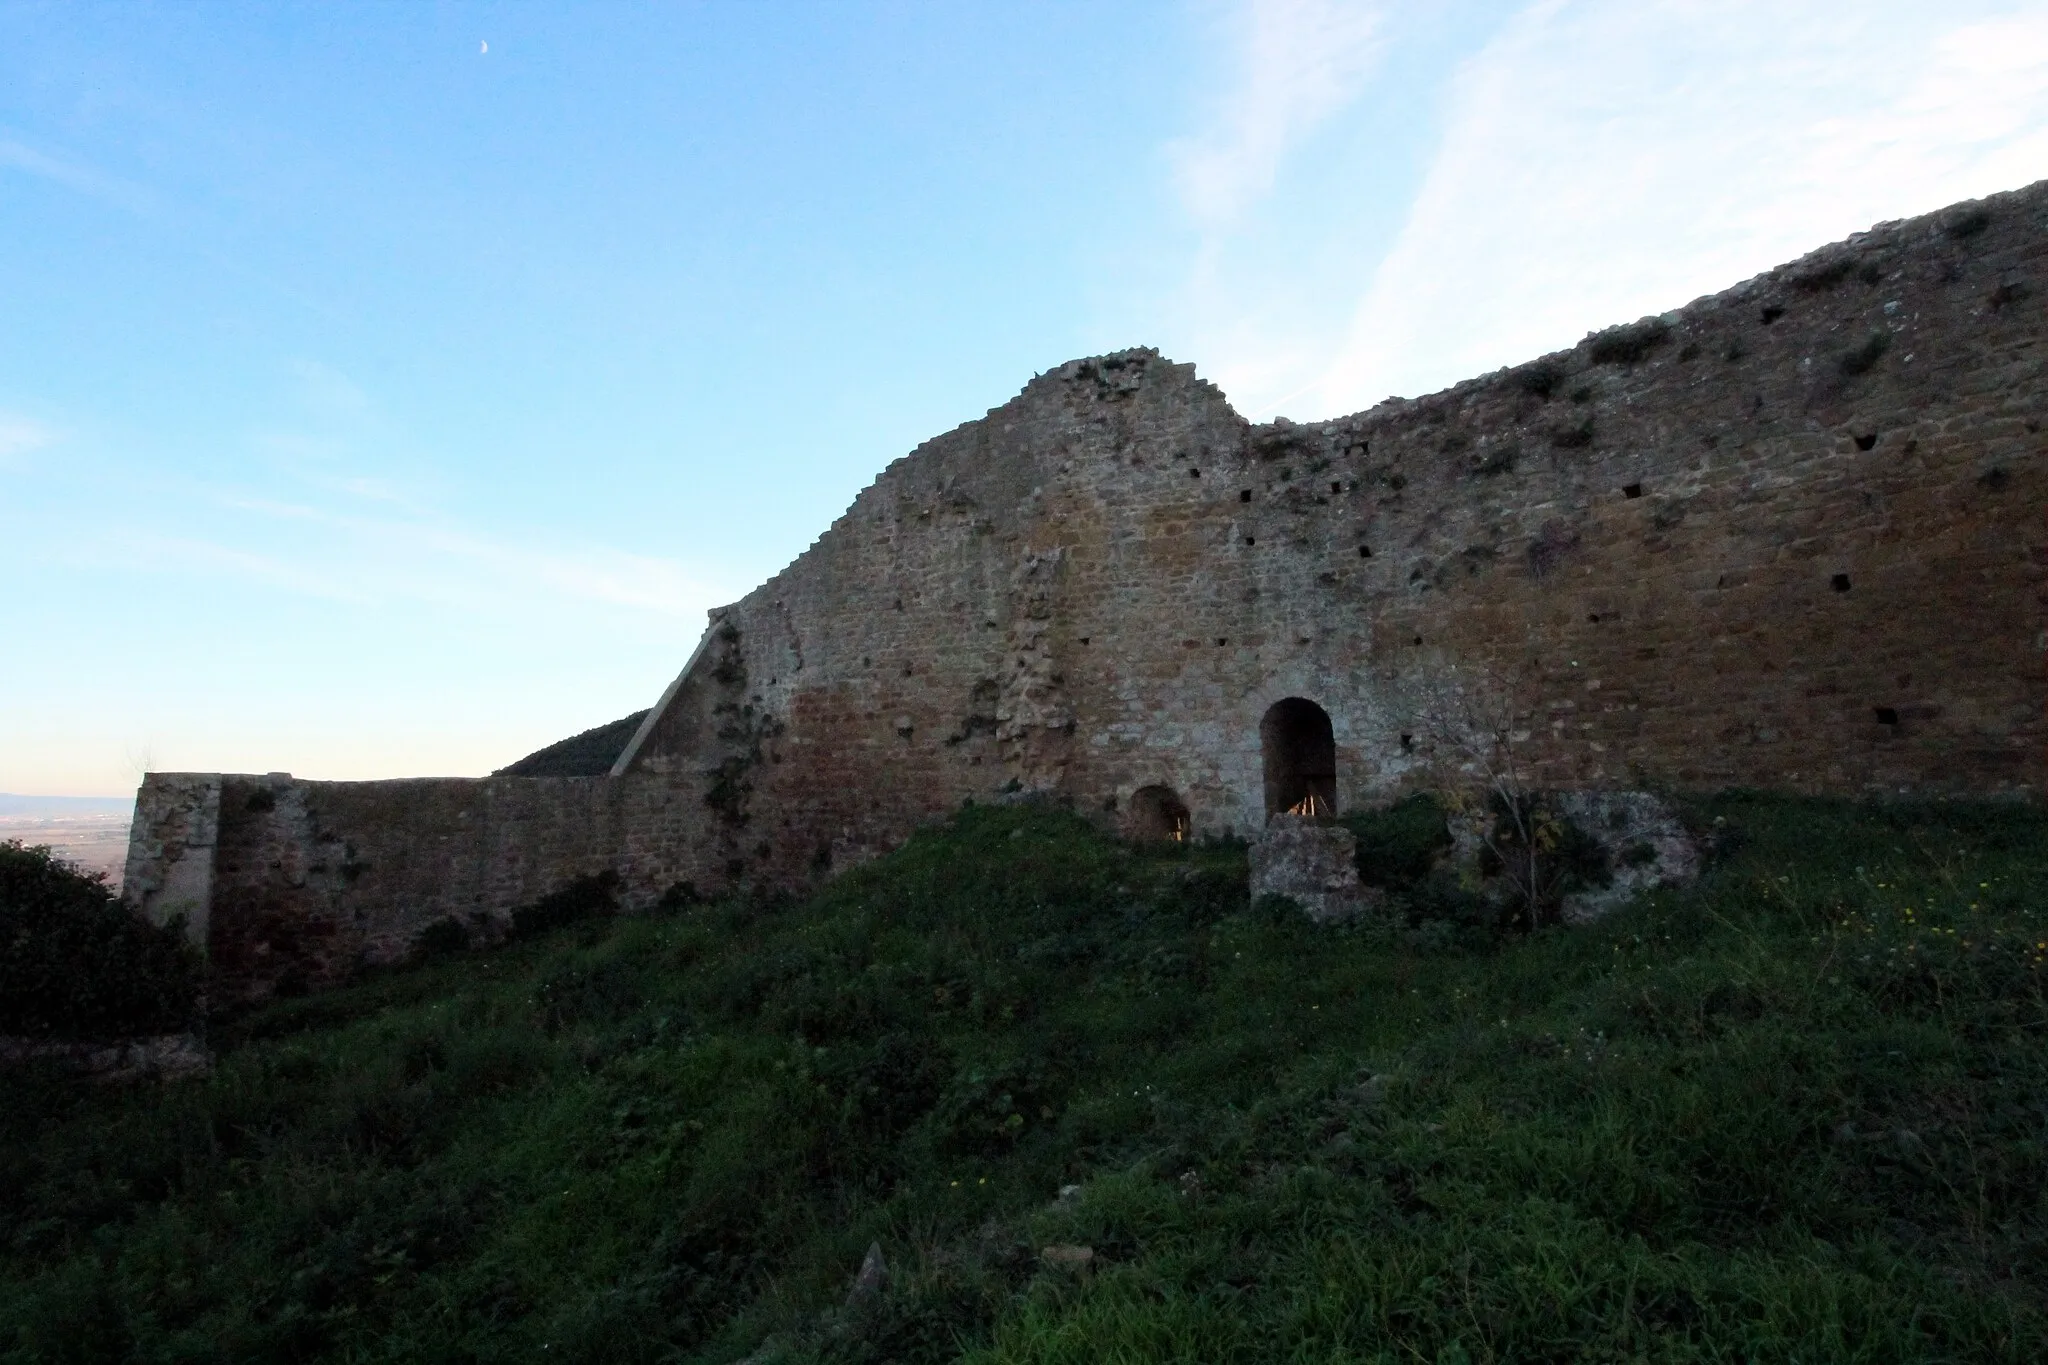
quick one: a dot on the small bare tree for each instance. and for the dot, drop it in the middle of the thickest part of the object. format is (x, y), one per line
(1472, 726)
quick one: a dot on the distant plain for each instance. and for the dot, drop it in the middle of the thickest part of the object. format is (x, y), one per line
(90, 831)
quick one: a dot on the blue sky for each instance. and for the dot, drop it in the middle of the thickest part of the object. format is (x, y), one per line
(375, 404)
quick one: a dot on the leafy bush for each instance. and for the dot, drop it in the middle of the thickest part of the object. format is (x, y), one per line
(75, 964)
(1398, 845)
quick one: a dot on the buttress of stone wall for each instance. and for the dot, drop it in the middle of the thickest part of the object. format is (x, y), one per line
(171, 849)
(919, 654)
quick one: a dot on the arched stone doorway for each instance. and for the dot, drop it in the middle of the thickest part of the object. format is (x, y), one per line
(1157, 815)
(1301, 758)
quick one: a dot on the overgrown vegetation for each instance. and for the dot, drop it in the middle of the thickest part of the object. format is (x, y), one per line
(76, 965)
(1541, 378)
(1627, 343)
(1792, 1113)
(590, 754)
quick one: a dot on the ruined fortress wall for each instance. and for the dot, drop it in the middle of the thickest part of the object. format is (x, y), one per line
(911, 659)
(1789, 536)
(1786, 536)
(305, 881)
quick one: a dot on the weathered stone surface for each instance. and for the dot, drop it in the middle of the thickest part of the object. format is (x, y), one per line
(1786, 536)
(871, 1280)
(169, 1056)
(1647, 847)
(1314, 865)
(171, 849)
(1645, 843)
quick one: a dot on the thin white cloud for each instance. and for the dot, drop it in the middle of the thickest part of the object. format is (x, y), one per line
(298, 448)
(347, 535)
(1291, 68)
(328, 393)
(144, 549)
(1607, 159)
(1300, 62)
(371, 558)
(19, 156)
(20, 435)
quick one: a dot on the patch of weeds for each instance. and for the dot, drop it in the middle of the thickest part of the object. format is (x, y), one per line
(1542, 379)
(1628, 343)
(1969, 223)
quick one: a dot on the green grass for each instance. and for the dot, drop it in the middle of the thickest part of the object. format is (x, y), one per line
(1795, 1113)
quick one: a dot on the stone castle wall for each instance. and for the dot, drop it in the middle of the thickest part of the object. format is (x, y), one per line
(293, 885)
(1787, 536)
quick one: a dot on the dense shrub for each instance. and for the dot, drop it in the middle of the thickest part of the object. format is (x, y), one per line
(1399, 844)
(75, 964)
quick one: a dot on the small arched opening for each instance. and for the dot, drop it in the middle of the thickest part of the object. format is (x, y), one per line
(1157, 815)
(1301, 758)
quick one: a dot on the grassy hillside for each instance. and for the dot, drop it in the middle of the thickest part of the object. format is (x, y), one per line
(1795, 1113)
(590, 754)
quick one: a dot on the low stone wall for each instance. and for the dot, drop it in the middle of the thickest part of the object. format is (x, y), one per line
(1315, 865)
(163, 1057)
(293, 885)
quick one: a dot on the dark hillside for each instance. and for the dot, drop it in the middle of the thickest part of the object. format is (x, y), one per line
(590, 754)
(1794, 1113)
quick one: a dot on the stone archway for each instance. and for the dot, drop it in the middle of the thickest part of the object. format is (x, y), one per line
(1300, 751)
(1157, 814)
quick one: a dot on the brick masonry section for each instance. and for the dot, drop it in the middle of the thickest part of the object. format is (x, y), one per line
(1787, 536)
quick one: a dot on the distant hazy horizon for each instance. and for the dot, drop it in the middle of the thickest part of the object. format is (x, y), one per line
(90, 831)
(389, 390)
(14, 803)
